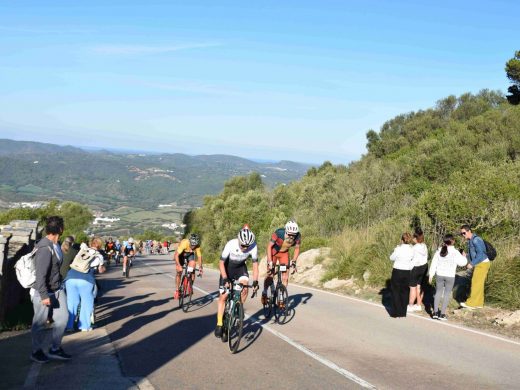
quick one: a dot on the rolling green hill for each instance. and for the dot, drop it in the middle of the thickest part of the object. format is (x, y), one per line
(36, 171)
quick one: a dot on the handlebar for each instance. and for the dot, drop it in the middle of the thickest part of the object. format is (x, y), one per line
(237, 283)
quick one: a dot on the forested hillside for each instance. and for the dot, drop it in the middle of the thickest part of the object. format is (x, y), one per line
(439, 168)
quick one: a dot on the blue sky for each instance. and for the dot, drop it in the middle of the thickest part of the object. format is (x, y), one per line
(296, 80)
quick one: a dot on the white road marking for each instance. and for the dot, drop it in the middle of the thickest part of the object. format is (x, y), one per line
(308, 352)
(32, 376)
(440, 323)
(142, 383)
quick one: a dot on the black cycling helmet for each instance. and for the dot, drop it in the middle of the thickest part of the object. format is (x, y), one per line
(194, 239)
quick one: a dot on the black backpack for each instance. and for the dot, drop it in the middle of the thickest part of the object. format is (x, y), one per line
(491, 252)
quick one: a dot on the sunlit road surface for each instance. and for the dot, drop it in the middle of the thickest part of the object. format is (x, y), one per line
(329, 341)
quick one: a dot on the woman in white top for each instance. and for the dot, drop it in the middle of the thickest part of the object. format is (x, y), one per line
(419, 270)
(399, 283)
(444, 265)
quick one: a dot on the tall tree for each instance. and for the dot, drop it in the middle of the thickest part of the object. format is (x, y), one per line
(513, 74)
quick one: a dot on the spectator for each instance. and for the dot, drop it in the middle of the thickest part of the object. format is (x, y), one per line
(444, 265)
(418, 273)
(81, 286)
(400, 281)
(479, 262)
(48, 297)
(70, 249)
(165, 247)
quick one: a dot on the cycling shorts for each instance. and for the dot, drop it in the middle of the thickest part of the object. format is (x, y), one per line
(234, 273)
(418, 275)
(186, 256)
(281, 258)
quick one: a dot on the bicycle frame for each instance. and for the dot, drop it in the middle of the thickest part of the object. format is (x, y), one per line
(186, 286)
(234, 315)
(278, 298)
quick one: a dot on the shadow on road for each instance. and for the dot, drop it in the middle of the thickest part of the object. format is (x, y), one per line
(250, 333)
(202, 302)
(150, 274)
(139, 320)
(295, 301)
(161, 347)
(124, 310)
(386, 297)
(429, 293)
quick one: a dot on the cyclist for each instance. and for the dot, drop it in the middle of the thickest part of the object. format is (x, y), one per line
(186, 251)
(233, 267)
(128, 250)
(278, 252)
(117, 248)
(110, 249)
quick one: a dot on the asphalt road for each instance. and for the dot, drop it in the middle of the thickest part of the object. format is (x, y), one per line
(330, 341)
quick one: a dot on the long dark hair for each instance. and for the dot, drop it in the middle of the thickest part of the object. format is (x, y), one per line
(67, 244)
(447, 240)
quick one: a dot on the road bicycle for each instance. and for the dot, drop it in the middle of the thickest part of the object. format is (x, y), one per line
(117, 257)
(277, 297)
(130, 257)
(186, 286)
(233, 321)
(109, 255)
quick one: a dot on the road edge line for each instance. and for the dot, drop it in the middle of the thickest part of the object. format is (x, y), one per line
(460, 327)
(333, 366)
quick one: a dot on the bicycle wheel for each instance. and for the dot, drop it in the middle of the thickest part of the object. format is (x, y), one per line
(127, 271)
(268, 304)
(236, 323)
(188, 292)
(182, 290)
(281, 306)
(225, 322)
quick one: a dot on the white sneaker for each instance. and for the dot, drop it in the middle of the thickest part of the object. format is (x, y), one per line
(410, 308)
(417, 308)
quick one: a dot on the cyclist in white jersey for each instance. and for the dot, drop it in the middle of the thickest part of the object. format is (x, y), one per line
(233, 267)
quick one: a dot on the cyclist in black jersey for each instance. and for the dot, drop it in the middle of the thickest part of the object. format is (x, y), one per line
(128, 250)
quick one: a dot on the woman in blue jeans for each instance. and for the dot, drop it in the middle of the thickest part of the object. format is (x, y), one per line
(80, 286)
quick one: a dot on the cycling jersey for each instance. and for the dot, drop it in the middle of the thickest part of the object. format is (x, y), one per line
(235, 260)
(281, 243)
(184, 249)
(128, 248)
(109, 246)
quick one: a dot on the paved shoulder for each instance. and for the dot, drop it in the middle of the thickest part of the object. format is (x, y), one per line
(94, 364)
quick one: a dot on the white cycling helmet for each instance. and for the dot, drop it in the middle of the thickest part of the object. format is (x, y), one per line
(246, 237)
(291, 227)
(130, 240)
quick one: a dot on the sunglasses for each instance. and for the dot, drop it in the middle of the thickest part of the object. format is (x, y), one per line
(244, 246)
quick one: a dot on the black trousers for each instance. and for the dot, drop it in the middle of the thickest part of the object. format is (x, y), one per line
(400, 287)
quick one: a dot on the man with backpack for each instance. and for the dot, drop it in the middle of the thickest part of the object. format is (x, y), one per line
(47, 295)
(478, 260)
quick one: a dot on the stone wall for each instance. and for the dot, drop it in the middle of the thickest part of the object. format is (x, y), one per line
(16, 239)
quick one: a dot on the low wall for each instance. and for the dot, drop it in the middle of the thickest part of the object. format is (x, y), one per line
(16, 239)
